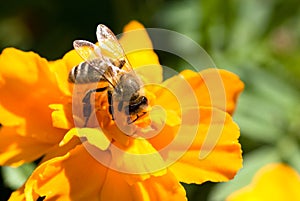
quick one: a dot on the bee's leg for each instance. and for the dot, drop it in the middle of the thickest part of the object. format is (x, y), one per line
(110, 103)
(87, 108)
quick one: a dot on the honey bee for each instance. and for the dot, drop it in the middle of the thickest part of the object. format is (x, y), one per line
(107, 62)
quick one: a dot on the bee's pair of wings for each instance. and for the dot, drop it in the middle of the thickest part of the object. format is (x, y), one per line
(105, 54)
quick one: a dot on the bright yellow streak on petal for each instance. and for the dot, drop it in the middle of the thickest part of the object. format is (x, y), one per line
(94, 137)
(59, 117)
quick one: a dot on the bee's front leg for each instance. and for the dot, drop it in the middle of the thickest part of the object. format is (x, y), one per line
(110, 103)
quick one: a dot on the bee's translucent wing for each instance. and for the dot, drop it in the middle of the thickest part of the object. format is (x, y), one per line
(110, 46)
(87, 50)
(91, 53)
(107, 57)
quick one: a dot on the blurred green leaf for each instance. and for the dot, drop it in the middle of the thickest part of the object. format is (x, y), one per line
(251, 21)
(256, 119)
(294, 159)
(182, 16)
(13, 32)
(265, 106)
(289, 150)
(15, 177)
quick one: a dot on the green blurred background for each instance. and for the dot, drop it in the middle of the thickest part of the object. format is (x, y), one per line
(258, 40)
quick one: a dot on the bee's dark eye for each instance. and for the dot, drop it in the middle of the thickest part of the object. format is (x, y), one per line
(144, 101)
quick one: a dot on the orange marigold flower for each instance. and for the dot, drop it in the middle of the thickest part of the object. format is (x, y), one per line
(175, 142)
(274, 182)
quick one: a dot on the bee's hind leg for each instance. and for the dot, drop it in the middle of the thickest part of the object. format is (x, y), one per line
(87, 108)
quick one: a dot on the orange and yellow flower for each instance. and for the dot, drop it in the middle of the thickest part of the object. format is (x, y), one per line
(274, 182)
(105, 164)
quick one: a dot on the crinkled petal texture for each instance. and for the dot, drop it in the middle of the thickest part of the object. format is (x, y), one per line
(27, 86)
(78, 176)
(215, 88)
(274, 182)
(218, 159)
(206, 140)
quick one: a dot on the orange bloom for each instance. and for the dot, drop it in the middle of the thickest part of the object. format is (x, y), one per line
(187, 136)
(274, 182)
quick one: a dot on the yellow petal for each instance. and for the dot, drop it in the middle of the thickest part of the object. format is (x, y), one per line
(94, 137)
(78, 176)
(274, 182)
(212, 134)
(16, 149)
(71, 59)
(18, 195)
(139, 51)
(161, 188)
(165, 128)
(75, 176)
(139, 158)
(21, 66)
(61, 72)
(215, 88)
(175, 94)
(214, 153)
(62, 67)
(60, 116)
(160, 116)
(28, 86)
(61, 149)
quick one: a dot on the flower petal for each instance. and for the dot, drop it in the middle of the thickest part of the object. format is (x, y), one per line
(215, 88)
(75, 176)
(61, 72)
(139, 51)
(18, 195)
(94, 137)
(16, 149)
(165, 127)
(61, 116)
(71, 59)
(214, 154)
(78, 168)
(61, 149)
(161, 188)
(139, 158)
(215, 134)
(274, 182)
(62, 67)
(28, 86)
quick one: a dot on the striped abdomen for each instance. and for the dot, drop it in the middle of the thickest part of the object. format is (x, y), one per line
(84, 73)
